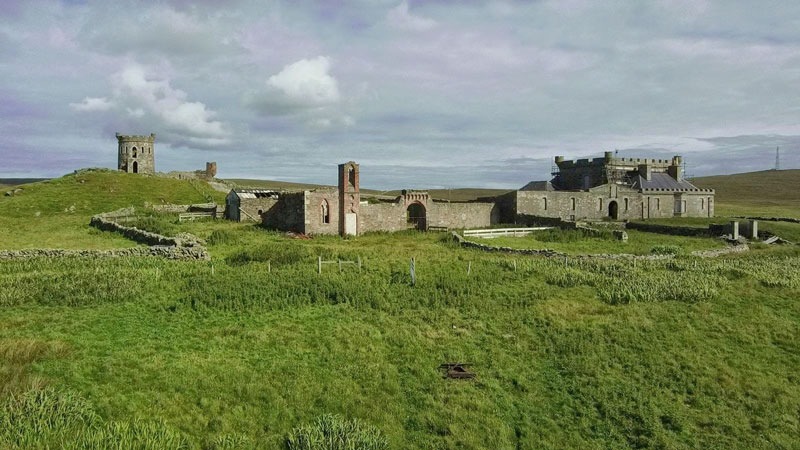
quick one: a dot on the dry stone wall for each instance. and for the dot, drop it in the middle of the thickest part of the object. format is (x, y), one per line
(182, 246)
(168, 252)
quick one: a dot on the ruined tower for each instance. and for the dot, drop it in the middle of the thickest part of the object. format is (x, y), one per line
(349, 199)
(135, 153)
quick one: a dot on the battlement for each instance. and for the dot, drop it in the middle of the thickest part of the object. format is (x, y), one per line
(136, 138)
(609, 160)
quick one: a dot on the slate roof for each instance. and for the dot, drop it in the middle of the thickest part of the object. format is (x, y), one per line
(538, 186)
(255, 193)
(663, 181)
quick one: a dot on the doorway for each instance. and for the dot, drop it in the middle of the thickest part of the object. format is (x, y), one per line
(613, 210)
(416, 215)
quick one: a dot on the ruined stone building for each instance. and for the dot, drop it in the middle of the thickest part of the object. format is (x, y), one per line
(614, 188)
(342, 211)
(136, 153)
(605, 188)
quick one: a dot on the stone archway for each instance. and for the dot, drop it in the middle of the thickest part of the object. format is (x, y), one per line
(613, 210)
(416, 215)
(135, 167)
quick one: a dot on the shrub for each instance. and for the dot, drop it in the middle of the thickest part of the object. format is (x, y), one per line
(331, 432)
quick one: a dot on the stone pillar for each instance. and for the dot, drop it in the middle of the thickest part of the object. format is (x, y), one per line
(753, 229)
(734, 229)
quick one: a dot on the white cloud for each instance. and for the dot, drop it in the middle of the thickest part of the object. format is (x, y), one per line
(91, 104)
(304, 91)
(399, 17)
(307, 82)
(156, 96)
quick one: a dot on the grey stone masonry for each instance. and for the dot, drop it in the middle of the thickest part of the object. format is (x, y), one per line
(135, 154)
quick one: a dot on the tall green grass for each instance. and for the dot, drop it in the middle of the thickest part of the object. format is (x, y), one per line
(332, 432)
(239, 353)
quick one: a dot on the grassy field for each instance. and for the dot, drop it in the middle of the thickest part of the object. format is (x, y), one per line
(766, 193)
(55, 213)
(255, 347)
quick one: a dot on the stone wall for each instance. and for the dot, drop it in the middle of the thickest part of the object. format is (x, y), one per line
(168, 252)
(386, 216)
(462, 215)
(596, 204)
(183, 246)
(107, 222)
(198, 207)
(670, 229)
(314, 222)
(286, 213)
(255, 209)
(579, 205)
(382, 216)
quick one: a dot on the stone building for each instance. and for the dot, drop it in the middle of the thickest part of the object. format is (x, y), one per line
(136, 153)
(249, 204)
(605, 188)
(342, 211)
(613, 188)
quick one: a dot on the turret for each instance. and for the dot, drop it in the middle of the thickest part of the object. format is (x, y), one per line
(136, 154)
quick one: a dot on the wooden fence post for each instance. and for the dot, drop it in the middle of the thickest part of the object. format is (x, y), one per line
(469, 267)
(319, 265)
(413, 272)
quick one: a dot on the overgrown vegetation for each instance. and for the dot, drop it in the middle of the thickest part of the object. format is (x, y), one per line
(255, 349)
(336, 433)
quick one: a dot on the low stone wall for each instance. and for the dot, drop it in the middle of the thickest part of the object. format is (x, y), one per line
(721, 251)
(547, 253)
(669, 229)
(199, 207)
(489, 248)
(168, 252)
(182, 246)
(770, 219)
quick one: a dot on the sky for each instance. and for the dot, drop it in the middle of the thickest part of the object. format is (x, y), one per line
(422, 94)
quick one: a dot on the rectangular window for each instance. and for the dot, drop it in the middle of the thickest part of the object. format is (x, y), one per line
(626, 204)
(599, 204)
(572, 201)
(703, 204)
(658, 204)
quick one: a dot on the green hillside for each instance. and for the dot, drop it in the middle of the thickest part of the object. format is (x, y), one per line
(55, 213)
(769, 192)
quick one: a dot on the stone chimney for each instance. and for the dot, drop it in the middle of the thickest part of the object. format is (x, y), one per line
(675, 170)
(645, 171)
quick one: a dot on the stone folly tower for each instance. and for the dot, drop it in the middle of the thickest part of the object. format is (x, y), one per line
(349, 199)
(136, 153)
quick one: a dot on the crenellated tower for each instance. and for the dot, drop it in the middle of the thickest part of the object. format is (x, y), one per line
(136, 153)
